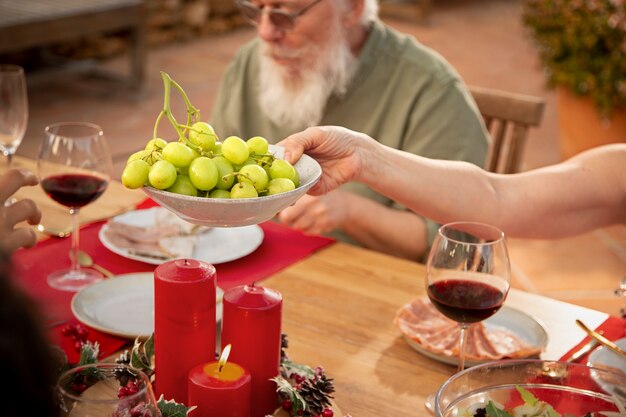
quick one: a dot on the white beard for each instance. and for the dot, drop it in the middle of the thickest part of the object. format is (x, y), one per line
(297, 100)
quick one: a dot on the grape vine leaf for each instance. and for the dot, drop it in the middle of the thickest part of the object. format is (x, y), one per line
(171, 408)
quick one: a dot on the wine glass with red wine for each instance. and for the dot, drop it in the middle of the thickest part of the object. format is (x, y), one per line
(74, 166)
(467, 276)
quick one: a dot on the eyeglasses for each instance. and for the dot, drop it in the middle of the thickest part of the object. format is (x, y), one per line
(281, 19)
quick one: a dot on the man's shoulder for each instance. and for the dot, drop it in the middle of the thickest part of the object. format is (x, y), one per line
(246, 54)
(405, 50)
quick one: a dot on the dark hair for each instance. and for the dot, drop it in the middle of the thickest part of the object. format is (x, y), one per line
(26, 360)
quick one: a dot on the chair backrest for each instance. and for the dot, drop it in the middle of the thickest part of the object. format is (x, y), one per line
(508, 117)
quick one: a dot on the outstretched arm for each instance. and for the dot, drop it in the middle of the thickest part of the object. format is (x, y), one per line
(583, 193)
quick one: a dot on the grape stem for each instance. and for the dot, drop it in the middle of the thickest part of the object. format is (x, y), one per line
(192, 111)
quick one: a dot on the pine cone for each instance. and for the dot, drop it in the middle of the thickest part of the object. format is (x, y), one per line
(316, 392)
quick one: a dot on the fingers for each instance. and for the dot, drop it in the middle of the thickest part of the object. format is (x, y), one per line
(22, 210)
(13, 180)
(298, 143)
(293, 148)
(19, 238)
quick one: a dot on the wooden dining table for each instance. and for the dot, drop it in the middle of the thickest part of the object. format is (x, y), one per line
(338, 311)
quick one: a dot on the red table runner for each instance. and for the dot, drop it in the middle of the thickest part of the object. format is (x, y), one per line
(281, 247)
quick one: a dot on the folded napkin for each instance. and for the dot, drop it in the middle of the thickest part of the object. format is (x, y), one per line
(613, 328)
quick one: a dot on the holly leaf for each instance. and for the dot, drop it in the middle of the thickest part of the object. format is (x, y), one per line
(297, 368)
(142, 356)
(171, 408)
(285, 387)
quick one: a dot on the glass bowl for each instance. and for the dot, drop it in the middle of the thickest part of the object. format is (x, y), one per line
(569, 387)
(225, 212)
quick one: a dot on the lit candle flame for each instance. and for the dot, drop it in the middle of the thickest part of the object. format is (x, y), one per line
(224, 357)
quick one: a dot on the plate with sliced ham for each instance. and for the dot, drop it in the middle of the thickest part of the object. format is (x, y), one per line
(510, 333)
(156, 235)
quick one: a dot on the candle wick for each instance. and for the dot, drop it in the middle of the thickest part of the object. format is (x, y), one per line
(186, 262)
(220, 368)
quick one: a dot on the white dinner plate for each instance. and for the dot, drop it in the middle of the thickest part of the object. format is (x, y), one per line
(123, 305)
(215, 245)
(603, 356)
(521, 324)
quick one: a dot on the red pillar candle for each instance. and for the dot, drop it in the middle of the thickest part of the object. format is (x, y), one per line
(219, 389)
(252, 322)
(184, 323)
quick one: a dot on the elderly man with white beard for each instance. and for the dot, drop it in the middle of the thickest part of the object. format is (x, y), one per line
(333, 62)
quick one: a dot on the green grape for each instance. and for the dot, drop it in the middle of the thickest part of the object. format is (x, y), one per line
(243, 190)
(296, 178)
(183, 185)
(280, 185)
(217, 193)
(224, 168)
(178, 154)
(235, 150)
(282, 169)
(135, 174)
(156, 144)
(203, 173)
(257, 145)
(249, 161)
(183, 171)
(162, 175)
(138, 155)
(255, 175)
(217, 149)
(202, 135)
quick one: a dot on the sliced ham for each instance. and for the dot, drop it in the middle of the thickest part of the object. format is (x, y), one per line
(420, 321)
(169, 237)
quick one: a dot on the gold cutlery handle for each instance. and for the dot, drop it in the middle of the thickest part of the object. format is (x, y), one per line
(601, 339)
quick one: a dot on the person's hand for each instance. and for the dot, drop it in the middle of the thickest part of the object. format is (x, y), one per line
(317, 215)
(342, 154)
(12, 238)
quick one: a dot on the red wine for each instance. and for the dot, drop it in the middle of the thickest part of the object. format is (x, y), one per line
(74, 190)
(465, 301)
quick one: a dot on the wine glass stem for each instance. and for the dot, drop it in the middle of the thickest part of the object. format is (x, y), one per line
(9, 157)
(462, 344)
(75, 240)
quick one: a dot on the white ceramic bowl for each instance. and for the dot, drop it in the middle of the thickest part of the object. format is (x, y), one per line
(224, 212)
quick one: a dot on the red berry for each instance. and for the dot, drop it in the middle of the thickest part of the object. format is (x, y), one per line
(327, 412)
(78, 346)
(68, 330)
(287, 404)
(299, 379)
(82, 332)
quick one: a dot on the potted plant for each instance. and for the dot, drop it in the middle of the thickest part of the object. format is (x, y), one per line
(582, 45)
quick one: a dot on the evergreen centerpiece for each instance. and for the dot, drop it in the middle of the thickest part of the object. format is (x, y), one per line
(303, 391)
(582, 44)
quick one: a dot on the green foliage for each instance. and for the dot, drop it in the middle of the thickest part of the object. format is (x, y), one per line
(170, 408)
(582, 44)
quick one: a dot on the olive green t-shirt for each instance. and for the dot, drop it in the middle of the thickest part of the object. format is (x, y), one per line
(403, 94)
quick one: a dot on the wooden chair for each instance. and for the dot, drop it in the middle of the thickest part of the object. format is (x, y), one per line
(508, 117)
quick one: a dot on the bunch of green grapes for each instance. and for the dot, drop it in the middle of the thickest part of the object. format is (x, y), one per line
(201, 165)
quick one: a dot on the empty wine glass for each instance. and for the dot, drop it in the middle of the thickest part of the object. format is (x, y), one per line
(467, 276)
(106, 389)
(13, 109)
(74, 166)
